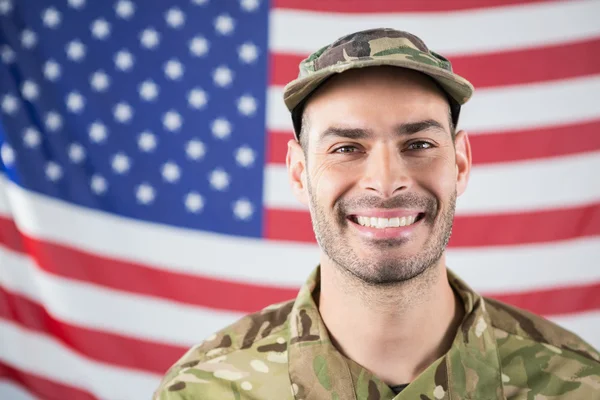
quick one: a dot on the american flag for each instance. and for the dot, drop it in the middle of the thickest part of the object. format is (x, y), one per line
(144, 202)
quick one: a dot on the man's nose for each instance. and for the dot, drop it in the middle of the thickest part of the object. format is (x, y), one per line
(385, 171)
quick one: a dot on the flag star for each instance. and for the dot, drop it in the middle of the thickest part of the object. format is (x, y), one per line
(98, 132)
(194, 202)
(247, 105)
(123, 112)
(195, 149)
(76, 153)
(76, 3)
(148, 90)
(224, 24)
(51, 17)
(221, 128)
(223, 76)
(7, 154)
(147, 141)
(98, 184)
(200, 2)
(124, 9)
(197, 98)
(198, 46)
(145, 193)
(175, 17)
(171, 172)
(53, 171)
(32, 137)
(5, 7)
(219, 179)
(173, 69)
(9, 104)
(53, 121)
(248, 52)
(121, 163)
(242, 209)
(245, 156)
(7, 54)
(100, 29)
(75, 102)
(172, 120)
(52, 70)
(75, 50)
(28, 38)
(249, 5)
(149, 38)
(30, 90)
(124, 60)
(99, 81)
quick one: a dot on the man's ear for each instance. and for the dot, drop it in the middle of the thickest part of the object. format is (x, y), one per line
(296, 165)
(463, 161)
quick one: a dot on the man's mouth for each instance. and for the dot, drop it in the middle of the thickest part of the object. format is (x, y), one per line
(382, 223)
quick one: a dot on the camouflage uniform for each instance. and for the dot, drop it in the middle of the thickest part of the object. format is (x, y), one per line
(284, 352)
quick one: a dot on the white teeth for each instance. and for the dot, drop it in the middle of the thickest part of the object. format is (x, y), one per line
(382, 223)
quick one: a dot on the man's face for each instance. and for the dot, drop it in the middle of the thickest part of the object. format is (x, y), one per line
(381, 173)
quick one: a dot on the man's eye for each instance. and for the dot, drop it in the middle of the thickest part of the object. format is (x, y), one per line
(346, 149)
(420, 145)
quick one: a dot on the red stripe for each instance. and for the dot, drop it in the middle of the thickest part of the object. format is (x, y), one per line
(393, 6)
(470, 231)
(496, 147)
(101, 346)
(42, 387)
(511, 67)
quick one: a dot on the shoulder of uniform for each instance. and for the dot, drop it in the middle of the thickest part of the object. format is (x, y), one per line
(518, 322)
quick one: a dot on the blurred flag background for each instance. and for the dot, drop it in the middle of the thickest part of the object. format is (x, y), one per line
(144, 202)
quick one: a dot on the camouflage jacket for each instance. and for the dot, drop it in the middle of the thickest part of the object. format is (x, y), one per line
(284, 352)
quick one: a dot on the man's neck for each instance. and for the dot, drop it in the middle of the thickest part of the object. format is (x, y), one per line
(395, 332)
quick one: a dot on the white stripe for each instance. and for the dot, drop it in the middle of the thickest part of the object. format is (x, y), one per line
(12, 391)
(586, 325)
(508, 187)
(460, 32)
(503, 108)
(38, 354)
(95, 307)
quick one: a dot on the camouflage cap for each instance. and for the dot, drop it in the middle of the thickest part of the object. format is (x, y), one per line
(374, 47)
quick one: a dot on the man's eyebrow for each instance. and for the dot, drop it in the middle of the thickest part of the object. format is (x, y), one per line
(410, 128)
(348, 133)
(407, 128)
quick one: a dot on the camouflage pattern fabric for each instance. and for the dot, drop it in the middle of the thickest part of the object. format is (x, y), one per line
(284, 352)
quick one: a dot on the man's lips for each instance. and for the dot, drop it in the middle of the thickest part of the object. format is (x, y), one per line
(386, 219)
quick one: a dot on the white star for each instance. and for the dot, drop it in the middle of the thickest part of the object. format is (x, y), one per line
(124, 9)
(7, 54)
(75, 50)
(221, 128)
(51, 17)
(248, 52)
(149, 38)
(148, 90)
(9, 104)
(124, 60)
(249, 5)
(147, 141)
(171, 172)
(32, 137)
(123, 112)
(98, 132)
(28, 38)
(98, 184)
(223, 76)
(53, 171)
(194, 202)
(76, 3)
(247, 105)
(30, 90)
(195, 149)
(245, 156)
(198, 46)
(172, 120)
(219, 179)
(100, 29)
(173, 69)
(76, 153)
(197, 98)
(5, 7)
(52, 70)
(75, 102)
(200, 2)
(224, 24)
(53, 121)
(121, 163)
(175, 17)
(99, 81)
(8, 154)
(145, 193)
(242, 209)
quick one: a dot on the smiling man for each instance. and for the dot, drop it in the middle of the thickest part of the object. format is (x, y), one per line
(379, 163)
